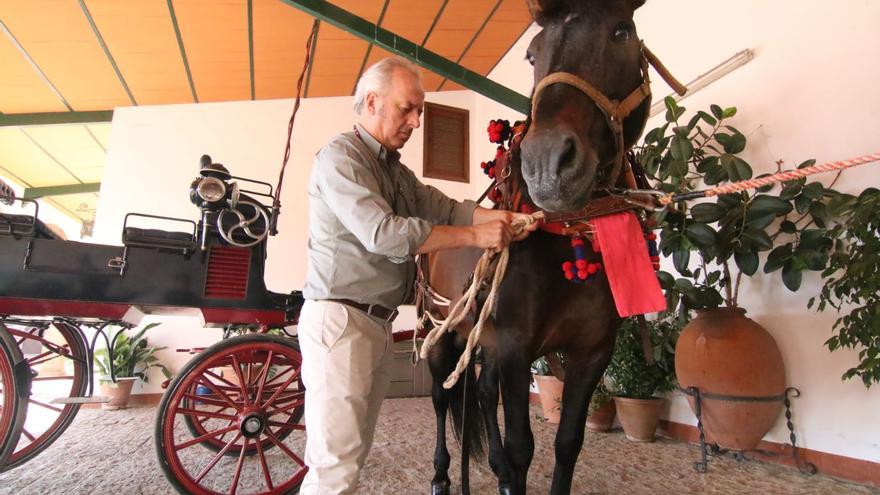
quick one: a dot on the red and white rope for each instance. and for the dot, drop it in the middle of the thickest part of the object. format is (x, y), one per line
(783, 176)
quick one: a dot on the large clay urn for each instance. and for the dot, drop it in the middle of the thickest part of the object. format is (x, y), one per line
(721, 351)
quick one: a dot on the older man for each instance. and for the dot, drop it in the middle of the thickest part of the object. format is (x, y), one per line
(369, 215)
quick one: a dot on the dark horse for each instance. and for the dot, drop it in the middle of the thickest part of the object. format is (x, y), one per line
(567, 155)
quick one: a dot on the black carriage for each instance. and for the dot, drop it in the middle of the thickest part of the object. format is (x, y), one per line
(233, 415)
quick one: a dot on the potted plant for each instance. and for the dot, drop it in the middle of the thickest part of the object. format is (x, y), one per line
(132, 358)
(637, 383)
(549, 389)
(722, 351)
(851, 280)
(601, 410)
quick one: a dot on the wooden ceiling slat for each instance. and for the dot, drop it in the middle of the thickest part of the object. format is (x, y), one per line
(22, 89)
(280, 34)
(25, 159)
(339, 55)
(59, 39)
(101, 133)
(74, 148)
(505, 27)
(141, 39)
(215, 37)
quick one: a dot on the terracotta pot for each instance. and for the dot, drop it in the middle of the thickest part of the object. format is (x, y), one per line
(118, 392)
(639, 417)
(602, 418)
(550, 390)
(723, 352)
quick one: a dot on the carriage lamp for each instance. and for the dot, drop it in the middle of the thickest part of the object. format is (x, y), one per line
(211, 189)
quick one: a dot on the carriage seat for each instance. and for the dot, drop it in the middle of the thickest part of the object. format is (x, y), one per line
(161, 239)
(25, 226)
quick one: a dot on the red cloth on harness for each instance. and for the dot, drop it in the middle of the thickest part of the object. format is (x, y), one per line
(625, 257)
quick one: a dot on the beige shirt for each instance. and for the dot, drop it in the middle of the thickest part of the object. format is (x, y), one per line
(368, 214)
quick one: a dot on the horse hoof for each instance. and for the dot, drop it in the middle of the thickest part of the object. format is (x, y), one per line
(440, 488)
(504, 490)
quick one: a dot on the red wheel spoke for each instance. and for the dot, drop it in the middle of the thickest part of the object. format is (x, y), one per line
(207, 399)
(283, 447)
(219, 393)
(47, 406)
(219, 378)
(262, 378)
(266, 473)
(216, 459)
(281, 373)
(287, 426)
(241, 383)
(238, 466)
(208, 414)
(190, 443)
(281, 389)
(288, 407)
(289, 397)
(28, 435)
(63, 350)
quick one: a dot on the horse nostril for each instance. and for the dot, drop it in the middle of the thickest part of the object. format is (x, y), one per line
(568, 155)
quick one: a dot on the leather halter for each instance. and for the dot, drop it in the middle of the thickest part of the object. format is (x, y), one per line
(615, 111)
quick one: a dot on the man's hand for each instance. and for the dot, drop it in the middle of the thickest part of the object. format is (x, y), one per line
(494, 235)
(527, 228)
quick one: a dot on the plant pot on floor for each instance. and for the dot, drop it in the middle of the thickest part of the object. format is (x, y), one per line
(639, 417)
(601, 419)
(723, 352)
(550, 390)
(118, 392)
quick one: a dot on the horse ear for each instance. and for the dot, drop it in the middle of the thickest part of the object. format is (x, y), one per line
(542, 9)
(636, 4)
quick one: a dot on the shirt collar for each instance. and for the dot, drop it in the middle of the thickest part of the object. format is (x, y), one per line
(376, 147)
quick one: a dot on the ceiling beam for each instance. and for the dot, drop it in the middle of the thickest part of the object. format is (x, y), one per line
(107, 53)
(250, 22)
(369, 48)
(42, 192)
(474, 38)
(33, 64)
(49, 118)
(374, 34)
(176, 26)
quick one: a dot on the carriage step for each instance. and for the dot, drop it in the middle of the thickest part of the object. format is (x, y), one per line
(97, 399)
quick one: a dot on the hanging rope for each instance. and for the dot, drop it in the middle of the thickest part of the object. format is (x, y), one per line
(770, 179)
(482, 272)
(276, 205)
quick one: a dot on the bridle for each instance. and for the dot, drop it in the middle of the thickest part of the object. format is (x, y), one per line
(615, 111)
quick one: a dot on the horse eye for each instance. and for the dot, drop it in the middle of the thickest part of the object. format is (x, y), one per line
(621, 34)
(530, 58)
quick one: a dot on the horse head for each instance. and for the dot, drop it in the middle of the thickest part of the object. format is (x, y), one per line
(587, 61)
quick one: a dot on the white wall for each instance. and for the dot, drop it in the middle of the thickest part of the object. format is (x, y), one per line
(810, 92)
(154, 154)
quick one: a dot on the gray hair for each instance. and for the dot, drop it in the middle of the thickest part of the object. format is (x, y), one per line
(378, 77)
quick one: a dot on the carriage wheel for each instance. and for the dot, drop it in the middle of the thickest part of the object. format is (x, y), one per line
(247, 413)
(229, 384)
(12, 407)
(57, 360)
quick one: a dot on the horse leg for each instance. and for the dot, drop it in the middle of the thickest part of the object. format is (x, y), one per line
(519, 444)
(489, 406)
(576, 395)
(439, 358)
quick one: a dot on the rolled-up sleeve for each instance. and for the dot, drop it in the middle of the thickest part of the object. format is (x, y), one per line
(351, 191)
(440, 208)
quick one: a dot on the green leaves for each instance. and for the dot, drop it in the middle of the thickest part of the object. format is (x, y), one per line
(768, 205)
(132, 356)
(707, 212)
(747, 261)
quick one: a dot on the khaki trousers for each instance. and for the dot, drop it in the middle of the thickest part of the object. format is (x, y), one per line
(346, 370)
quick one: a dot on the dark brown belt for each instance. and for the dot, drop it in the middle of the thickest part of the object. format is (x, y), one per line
(376, 310)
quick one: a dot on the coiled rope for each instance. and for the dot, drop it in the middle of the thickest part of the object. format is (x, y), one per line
(482, 272)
